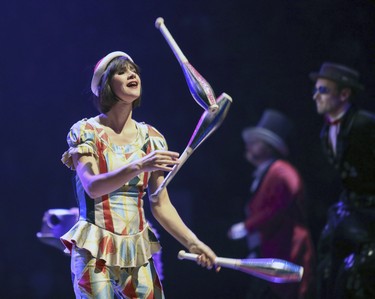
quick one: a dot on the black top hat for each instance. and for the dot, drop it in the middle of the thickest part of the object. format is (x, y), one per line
(338, 73)
(273, 128)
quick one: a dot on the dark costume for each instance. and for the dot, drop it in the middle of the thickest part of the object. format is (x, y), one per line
(346, 253)
(275, 211)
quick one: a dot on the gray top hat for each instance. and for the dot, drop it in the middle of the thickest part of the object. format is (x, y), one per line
(273, 128)
(338, 73)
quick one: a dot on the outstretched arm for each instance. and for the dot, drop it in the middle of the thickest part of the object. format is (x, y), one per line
(97, 184)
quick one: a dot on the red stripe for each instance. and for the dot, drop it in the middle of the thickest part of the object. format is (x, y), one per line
(130, 290)
(140, 207)
(108, 221)
(107, 214)
(85, 282)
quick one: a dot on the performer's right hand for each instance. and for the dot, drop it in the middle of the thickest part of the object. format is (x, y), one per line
(237, 231)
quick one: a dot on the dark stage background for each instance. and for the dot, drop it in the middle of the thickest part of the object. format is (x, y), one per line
(259, 52)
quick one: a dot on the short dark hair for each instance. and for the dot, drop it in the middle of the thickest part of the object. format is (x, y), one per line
(107, 98)
(341, 86)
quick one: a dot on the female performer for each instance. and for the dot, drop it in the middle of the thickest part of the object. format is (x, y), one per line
(116, 158)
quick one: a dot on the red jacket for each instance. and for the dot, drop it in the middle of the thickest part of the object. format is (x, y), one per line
(276, 212)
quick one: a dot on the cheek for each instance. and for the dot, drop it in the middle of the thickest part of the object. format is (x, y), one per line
(249, 156)
(115, 85)
(332, 102)
(324, 100)
(119, 89)
(251, 151)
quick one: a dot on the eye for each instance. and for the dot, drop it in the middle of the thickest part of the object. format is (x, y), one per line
(133, 70)
(321, 90)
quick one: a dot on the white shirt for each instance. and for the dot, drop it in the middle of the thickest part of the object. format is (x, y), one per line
(334, 128)
(258, 173)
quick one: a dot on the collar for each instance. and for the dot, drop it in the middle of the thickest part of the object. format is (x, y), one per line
(262, 168)
(337, 119)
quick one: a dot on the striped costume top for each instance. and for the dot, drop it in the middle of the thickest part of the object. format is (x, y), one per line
(113, 227)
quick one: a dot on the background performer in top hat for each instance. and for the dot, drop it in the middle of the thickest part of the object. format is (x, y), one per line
(346, 252)
(116, 158)
(275, 225)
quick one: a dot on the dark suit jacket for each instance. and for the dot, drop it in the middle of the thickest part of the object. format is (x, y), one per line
(355, 158)
(351, 221)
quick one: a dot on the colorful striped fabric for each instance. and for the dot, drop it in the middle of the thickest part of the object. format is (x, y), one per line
(113, 227)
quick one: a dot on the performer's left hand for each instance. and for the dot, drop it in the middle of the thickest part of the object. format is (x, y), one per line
(206, 256)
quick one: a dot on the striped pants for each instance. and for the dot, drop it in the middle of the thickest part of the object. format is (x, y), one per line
(92, 279)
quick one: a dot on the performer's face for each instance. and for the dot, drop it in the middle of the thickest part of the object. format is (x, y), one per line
(126, 84)
(329, 100)
(257, 151)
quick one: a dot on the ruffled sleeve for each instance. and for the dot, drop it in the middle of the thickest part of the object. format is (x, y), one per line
(157, 140)
(81, 140)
